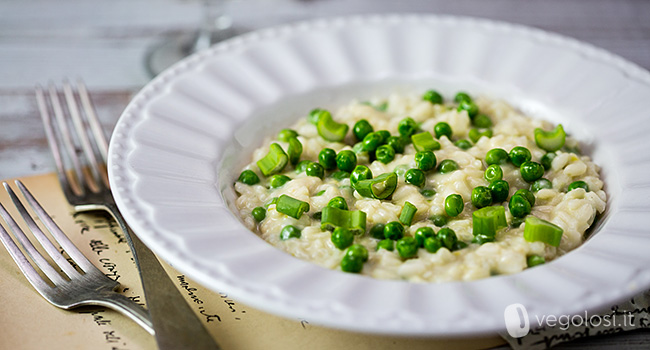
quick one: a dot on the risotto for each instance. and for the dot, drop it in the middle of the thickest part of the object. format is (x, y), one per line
(421, 189)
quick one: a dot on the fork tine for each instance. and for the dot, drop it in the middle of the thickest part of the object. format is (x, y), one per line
(95, 125)
(67, 245)
(36, 257)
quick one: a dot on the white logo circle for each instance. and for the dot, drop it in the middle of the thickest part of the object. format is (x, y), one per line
(517, 323)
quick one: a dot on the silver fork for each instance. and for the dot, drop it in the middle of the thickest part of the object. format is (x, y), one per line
(86, 187)
(73, 288)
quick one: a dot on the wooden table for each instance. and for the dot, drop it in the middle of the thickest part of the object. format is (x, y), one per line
(105, 42)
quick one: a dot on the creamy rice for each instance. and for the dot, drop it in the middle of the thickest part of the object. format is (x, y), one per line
(573, 211)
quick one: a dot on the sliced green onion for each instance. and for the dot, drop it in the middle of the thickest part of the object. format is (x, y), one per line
(550, 141)
(333, 217)
(488, 220)
(380, 187)
(294, 150)
(291, 206)
(274, 161)
(424, 142)
(315, 115)
(407, 213)
(331, 130)
(535, 260)
(538, 230)
(286, 134)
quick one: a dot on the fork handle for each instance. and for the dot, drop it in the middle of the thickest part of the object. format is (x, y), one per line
(175, 323)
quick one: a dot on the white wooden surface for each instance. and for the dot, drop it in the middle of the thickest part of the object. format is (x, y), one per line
(105, 41)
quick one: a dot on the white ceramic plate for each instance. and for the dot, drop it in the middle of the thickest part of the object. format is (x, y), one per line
(179, 145)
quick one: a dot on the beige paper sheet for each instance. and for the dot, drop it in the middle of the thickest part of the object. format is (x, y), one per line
(27, 321)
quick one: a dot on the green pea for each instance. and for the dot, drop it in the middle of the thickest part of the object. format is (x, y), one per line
(439, 220)
(459, 245)
(315, 169)
(541, 184)
(463, 144)
(385, 154)
(248, 177)
(519, 206)
(360, 172)
(407, 127)
(289, 231)
(481, 196)
(497, 156)
(371, 141)
(415, 177)
(454, 205)
(432, 244)
(519, 155)
(423, 233)
(442, 129)
(531, 171)
(530, 197)
(482, 239)
(447, 166)
(393, 230)
(433, 96)
(448, 237)
(516, 222)
(259, 213)
(500, 190)
(462, 96)
(278, 180)
(327, 158)
(547, 160)
(387, 244)
(346, 160)
(302, 166)
(358, 251)
(286, 134)
(340, 175)
(535, 260)
(385, 134)
(470, 107)
(476, 134)
(377, 231)
(425, 160)
(351, 264)
(338, 202)
(397, 143)
(428, 193)
(578, 184)
(342, 237)
(482, 121)
(361, 129)
(493, 173)
(407, 247)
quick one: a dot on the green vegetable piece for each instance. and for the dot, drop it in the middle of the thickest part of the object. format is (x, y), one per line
(470, 107)
(407, 127)
(535, 260)
(346, 160)
(315, 169)
(428, 193)
(487, 221)
(327, 158)
(519, 155)
(385, 134)
(338, 202)
(371, 141)
(340, 175)
(320, 193)
(476, 134)
(482, 121)
(302, 166)
(407, 213)
(315, 115)
(500, 190)
(274, 161)
(380, 187)
(361, 129)
(360, 172)
(290, 231)
(447, 237)
(439, 220)
(547, 160)
(422, 233)
(332, 217)
(342, 238)
(530, 197)
(385, 154)
(401, 170)
(578, 184)
(538, 230)
(531, 171)
(459, 245)
(393, 230)
(541, 184)
(463, 144)
(248, 177)
(415, 177)
(425, 160)
(433, 96)
(329, 129)
(351, 264)
(493, 173)
(397, 143)
(358, 251)
(286, 134)
(278, 180)
(259, 213)
(407, 247)
(482, 239)
(294, 151)
(519, 206)
(291, 206)
(442, 129)
(462, 96)
(377, 231)
(447, 166)
(516, 222)
(497, 156)
(550, 141)
(424, 142)
(481, 196)
(387, 244)
(432, 244)
(454, 205)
